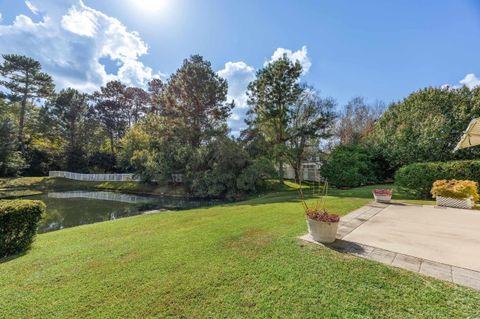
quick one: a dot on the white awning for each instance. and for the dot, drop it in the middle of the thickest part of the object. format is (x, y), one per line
(471, 136)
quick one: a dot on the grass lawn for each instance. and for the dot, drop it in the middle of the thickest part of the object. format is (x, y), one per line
(230, 261)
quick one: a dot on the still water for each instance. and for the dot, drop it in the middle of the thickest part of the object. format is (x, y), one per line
(73, 208)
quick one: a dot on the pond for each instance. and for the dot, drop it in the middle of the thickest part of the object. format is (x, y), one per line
(73, 208)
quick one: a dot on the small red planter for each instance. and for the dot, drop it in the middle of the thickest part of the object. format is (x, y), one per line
(382, 195)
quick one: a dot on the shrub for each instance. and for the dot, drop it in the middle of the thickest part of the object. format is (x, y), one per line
(349, 166)
(101, 162)
(455, 189)
(252, 179)
(419, 177)
(224, 169)
(18, 224)
(426, 126)
(12, 162)
(41, 157)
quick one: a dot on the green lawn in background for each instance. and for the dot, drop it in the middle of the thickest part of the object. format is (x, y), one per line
(230, 261)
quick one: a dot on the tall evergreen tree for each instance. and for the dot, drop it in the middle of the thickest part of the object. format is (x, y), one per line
(137, 103)
(195, 98)
(69, 110)
(110, 110)
(25, 80)
(155, 90)
(11, 160)
(271, 95)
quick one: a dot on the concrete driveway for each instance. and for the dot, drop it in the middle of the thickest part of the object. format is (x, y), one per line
(445, 235)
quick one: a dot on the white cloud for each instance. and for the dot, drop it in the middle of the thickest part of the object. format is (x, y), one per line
(31, 7)
(71, 42)
(0, 17)
(134, 70)
(300, 55)
(238, 75)
(470, 81)
(81, 22)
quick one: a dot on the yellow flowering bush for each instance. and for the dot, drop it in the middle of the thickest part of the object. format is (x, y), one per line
(460, 189)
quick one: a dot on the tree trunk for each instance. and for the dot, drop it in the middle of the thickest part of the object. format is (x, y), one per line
(296, 169)
(72, 135)
(280, 171)
(21, 120)
(112, 147)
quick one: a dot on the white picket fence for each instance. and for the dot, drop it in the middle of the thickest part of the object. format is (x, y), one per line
(110, 196)
(94, 177)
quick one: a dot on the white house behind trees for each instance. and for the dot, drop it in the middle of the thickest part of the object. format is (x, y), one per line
(310, 171)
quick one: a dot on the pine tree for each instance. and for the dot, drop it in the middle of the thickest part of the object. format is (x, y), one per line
(25, 80)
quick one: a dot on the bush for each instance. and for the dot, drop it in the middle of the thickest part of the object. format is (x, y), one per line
(426, 126)
(12, 162)
(349, 166)
(252, 179)
(224, 169)
(18, 224)
(418, 178)
(455, 189)
(101, 162)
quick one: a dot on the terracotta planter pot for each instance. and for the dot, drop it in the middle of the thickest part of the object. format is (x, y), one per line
(323, 232)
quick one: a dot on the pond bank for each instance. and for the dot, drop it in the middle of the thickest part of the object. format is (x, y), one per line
(42, 184)
(72, 203)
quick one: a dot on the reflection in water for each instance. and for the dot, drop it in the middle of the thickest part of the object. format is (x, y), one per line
(111, 196)
(73, 208)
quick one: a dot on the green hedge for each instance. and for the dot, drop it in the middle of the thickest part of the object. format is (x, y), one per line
(419, 177)
(18, 224)
(349, 166)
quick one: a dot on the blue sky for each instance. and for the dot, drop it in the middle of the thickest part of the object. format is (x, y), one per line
(382, 50)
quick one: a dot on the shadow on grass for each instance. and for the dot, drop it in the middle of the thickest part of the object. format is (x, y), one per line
(12, 257)
(344, 247)
(347, 247)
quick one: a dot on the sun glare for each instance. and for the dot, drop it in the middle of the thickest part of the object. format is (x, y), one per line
(150, 6)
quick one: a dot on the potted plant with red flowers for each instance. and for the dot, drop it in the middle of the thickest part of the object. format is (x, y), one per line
(322, 226)
(382, 195)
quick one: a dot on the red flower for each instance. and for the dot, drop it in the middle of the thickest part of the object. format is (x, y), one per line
(323, 217)
(383, 192)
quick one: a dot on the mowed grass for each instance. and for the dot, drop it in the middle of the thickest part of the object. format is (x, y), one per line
(240, 260)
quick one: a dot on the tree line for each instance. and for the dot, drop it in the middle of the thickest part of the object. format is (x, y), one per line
(424, 127)
(177, 126)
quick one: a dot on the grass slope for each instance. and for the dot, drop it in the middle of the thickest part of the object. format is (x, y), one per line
(230, 261)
